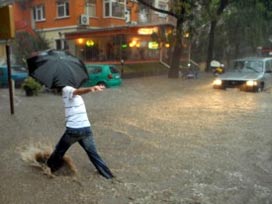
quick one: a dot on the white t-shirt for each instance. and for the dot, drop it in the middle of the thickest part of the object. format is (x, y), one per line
(75, 111)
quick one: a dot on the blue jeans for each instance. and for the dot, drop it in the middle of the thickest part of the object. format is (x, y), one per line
(84, 137)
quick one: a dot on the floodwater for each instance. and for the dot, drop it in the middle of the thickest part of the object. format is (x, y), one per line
(166, 140)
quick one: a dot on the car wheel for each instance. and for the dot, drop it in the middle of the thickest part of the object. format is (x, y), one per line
(260, 88)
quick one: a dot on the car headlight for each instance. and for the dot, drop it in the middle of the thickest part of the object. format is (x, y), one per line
(217, 82)
(251, 83)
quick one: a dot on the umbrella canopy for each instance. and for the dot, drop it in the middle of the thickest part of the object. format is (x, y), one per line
(57, 69)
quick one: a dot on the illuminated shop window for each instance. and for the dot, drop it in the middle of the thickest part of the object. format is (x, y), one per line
(147, 31)
(153, 45)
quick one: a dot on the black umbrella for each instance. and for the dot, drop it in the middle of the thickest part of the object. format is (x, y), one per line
(57, 69)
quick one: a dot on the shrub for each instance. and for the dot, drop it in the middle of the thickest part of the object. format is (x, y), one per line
(31, 86)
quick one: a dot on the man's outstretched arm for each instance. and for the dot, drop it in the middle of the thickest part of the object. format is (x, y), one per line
(81, 91)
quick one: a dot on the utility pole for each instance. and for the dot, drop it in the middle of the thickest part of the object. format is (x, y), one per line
(7, 31)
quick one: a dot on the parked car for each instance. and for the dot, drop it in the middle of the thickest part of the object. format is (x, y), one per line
(18, 74)
(103, 74)
(248, 74)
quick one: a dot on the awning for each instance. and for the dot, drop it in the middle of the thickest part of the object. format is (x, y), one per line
(128, 29)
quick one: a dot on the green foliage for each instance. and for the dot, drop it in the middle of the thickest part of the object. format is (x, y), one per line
(31, 84)
(240, 26)
(25, 44)
(246, 27)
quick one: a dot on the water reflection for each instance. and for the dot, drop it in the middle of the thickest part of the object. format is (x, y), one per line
(203, 107)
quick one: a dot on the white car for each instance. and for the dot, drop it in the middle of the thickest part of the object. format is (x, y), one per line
(248, 74)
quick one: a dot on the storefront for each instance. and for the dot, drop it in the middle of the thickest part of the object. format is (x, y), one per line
(130, 43)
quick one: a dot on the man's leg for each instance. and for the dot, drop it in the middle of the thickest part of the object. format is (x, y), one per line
(56, 158)
(88, 145)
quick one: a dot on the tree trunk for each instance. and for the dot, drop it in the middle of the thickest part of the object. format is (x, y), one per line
(237, 50)
(210, 45)
(177, 52)
(222, 5)
(175, 62)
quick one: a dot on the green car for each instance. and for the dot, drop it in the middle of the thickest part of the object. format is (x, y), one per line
(103, 74)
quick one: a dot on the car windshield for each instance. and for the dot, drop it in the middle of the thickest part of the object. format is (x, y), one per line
(248, 66)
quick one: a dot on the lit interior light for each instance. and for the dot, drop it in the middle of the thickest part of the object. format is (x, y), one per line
(80, 41)
(147, 31)
(89, 43)
(153, 45)
(133, 43)
(186, 35)
(124, 45)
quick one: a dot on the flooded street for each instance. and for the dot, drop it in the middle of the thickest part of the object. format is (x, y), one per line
(166, 140)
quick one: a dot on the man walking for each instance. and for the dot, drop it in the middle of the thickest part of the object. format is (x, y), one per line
(78, 129)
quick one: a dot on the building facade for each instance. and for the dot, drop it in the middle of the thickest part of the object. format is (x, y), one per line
(97, 30)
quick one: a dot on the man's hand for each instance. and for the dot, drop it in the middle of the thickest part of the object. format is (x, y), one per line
(81, 91)
(97, 88)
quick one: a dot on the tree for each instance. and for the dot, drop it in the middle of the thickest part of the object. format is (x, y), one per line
(247, 25)
(214, 9)
(181, 10)
(30, 43)
(233, 27)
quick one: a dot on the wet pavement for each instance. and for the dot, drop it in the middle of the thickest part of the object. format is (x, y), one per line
(166, 140)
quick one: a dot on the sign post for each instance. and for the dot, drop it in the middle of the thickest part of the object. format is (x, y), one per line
(7, 31)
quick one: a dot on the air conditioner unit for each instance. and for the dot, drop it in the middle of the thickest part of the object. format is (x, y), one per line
(127, 16)
(84, 19)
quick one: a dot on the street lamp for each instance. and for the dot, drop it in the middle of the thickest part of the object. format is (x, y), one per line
(122, 61)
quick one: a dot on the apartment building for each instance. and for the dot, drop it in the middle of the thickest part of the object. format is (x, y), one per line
(97, 30)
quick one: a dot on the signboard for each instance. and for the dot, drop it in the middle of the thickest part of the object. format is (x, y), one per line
(7, 27)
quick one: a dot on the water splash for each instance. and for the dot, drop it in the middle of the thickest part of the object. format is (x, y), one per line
(37, 155)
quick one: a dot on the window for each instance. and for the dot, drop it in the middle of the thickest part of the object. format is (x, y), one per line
(118, 9)
(163, 6)
(269, 65)
(94, 70)
(39, 13)
(143, 15)
(91, 8)
(63, 9)
(114, 8)
(107, 8)
(114, 70)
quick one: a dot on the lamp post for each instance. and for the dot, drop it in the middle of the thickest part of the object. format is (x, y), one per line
(122, 61)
